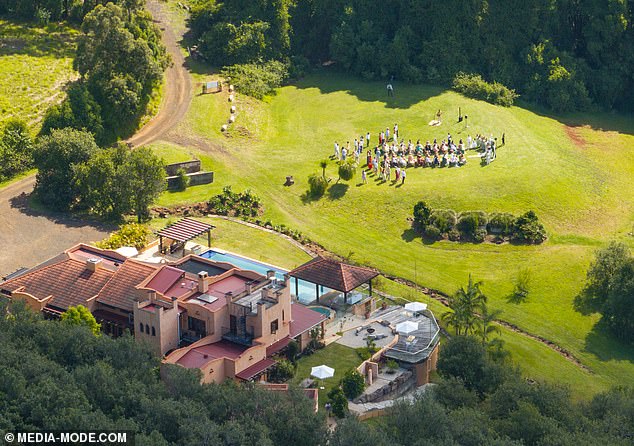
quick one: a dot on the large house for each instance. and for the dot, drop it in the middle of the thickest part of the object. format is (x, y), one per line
(202, 314)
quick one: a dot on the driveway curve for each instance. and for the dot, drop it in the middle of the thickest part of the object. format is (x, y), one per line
(29, 236)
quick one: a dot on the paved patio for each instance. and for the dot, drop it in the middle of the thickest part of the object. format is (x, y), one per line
(358, 337)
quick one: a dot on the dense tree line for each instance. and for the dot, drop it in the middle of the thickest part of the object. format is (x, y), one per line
(73, 10)
(121, 61)
(75, 174)
(563, 54)
(59, 375)
(16, 148)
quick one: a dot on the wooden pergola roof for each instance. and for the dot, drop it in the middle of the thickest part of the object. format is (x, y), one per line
(185, 230)
(333, 274)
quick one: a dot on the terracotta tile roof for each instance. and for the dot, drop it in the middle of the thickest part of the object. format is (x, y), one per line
(120, 290)
(256, 368)
(333, 274)
(197, 357)
(185, 230)
(303, 319)
(68, 281)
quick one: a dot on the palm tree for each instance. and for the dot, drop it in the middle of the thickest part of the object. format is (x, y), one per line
(464, 306)
(323, 164)
(487, 326)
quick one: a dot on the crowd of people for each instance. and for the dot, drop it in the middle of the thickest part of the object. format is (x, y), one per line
(390, 156)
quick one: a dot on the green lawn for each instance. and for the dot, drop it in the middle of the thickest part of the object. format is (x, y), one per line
(337, 356)
(254, 243)
(35, 64)
(575, 177)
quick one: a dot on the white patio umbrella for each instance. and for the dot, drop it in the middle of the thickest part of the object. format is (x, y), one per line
(322, 372)
(407, 327)
(415, 306)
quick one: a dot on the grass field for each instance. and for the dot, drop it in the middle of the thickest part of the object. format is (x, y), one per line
(576, 173)
(35, 64)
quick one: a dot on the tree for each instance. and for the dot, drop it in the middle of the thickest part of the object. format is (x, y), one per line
(323, 164)
(81, 315)
(146, 180)
(338, 401)
(528, 229)
(422, 212)
(292, 350)
(103, 183)
(317, 186)
(352, 384)
(464, 306)
(282, 371)
(618, 309)
(16, 148)
(601, 274)
(56, 156)
(346, 171)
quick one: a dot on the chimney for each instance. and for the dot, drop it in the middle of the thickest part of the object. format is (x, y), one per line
(229, 297)
(203, 286)
(151, 295)
(270, 274)
(248, 287)
(174, 303)
(92, 264)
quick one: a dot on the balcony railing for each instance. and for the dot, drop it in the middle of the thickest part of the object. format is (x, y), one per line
(242, 337)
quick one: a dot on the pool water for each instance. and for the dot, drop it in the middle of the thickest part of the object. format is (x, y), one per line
(322, 310)
(306, 290)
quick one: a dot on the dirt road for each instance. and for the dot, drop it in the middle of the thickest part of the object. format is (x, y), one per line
(177, 92)
(29, 236)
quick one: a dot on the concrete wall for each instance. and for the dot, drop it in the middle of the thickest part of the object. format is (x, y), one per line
(195, 179)
(189, 166)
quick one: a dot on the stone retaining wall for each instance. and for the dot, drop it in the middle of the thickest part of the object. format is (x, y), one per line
(189, 166)
(400, 385)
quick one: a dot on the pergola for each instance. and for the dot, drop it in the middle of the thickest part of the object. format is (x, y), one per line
(333, 274)
(185, 230)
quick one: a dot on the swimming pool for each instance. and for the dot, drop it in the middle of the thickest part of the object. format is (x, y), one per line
(306, 290)
(323, 310)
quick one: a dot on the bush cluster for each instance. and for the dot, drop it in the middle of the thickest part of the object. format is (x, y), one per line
(132, 234)
(474, 226)
(257, 79)
(473, 86)
(241, 204)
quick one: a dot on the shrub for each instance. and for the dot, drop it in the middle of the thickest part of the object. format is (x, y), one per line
(338, 401)
(292, 350)
(317, 185)
(453, 235)
(501, 223)
(132, 234)
(422, 212)
(443, 219)
(528, 229)
(392, 366)
(242, 204)
(479, 235)
(522, 285)
(257, 79)
(469, 222)
(282, 371)
(432, 232)
(346, 171)
(182, 180)
(473, 86)
(352, 384)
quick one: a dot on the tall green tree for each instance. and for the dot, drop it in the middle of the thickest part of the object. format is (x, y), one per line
(56, 156)
(81, 315)
(16, 148)
(146, 180)
(464, 307)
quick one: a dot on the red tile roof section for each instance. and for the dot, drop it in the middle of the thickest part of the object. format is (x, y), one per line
(256, 368)
(185, 230)
(120, 290)
(333, 274)
(303, 319)
(68, 281)
(277, 346)
(199, 356)
(165, 279)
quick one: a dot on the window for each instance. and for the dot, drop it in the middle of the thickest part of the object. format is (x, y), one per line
(141, 327)
(283, 318)
(147, 328)
(274, 326)
(153, 331)
(198, 326)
